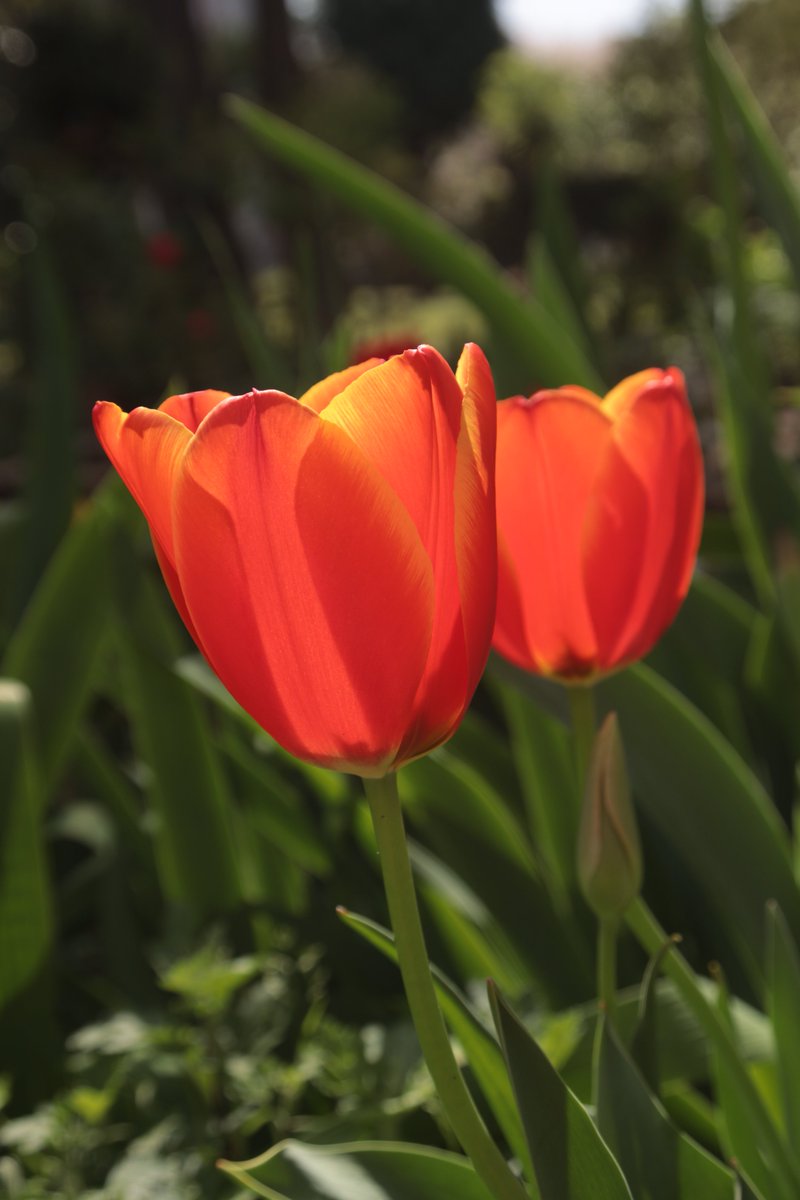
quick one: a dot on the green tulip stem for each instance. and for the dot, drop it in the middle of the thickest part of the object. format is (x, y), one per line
(582, 712)
(650, 935)
(412, 955)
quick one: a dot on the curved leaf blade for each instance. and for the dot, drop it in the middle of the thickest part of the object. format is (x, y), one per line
(357, 1171)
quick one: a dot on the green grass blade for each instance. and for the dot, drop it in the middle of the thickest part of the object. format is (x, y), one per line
(570, 1159)
(186, 786)
(692, 785)
(659, 1162)
(475, 832)
(783, 1003)
(765, 498)
(541, 750)
(358, 1171)
(776, 191)
(25, 904)
(267, 365)
(56, 648)
(739, 1133)
(50, 465)
(544, 353)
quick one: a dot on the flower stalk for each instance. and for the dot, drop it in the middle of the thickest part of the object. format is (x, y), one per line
(467, 1124)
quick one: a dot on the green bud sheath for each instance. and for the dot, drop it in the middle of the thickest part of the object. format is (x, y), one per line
(609, 851)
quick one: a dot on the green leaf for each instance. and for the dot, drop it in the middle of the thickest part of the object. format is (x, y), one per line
(542, 754)
(692, 786)
(196, 672)
(738, 1132)
(722, 622)
(25, 904)
(481, 1048)
(266, 363)
(776, 191)
(475, 941)
(659, 1162)
(783, 1002)
(277, 809)
(56, 647)
(358, 1171)
(50, 457)
(545, 354)
(682, 1051)
(570, 1159)
(644, 1043)
(186, 784)
(764, 496)
(476, 833)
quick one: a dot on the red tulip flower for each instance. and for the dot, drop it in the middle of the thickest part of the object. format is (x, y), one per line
(333, 557)
(599, 512)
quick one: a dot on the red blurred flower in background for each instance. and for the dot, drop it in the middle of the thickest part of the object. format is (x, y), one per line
(599, 510)
(164, 250)
(333, 557)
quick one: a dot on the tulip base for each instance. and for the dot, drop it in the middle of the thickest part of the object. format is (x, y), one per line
(467, 1124)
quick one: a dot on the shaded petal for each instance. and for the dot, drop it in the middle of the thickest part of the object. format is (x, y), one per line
(549, 452)
(306, 579)
(405, 417)
(643, 527)
(191, 407)
(510, 637)
(320, 395)
(623, 395)
(146, 447)
(475, 516)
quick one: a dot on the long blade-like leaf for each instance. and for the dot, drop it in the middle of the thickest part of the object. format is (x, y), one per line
(544, 352)
(570, 1158)
(358, 1171)
(701, 799)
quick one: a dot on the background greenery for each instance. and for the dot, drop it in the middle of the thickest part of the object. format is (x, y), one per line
(176, 985)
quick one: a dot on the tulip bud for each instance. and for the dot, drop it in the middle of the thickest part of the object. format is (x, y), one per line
(609, 852)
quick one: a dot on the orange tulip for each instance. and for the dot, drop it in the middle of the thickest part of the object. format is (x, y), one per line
(333, 556)
(599, 512)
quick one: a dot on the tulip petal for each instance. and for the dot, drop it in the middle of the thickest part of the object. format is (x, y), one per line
(191, 407)
(405, 416)
(549, 450)
(643, 527)
(320, 395)
(146, 447)
(306, 579)
(620, 398)
(476, 524)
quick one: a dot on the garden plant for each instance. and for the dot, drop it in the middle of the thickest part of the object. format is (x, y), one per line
(399, 772)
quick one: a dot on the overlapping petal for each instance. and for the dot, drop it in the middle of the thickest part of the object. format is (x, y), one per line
(476, 528)
(309, 583)
(550, 450)
(644, 525)
(405, 417)
(146, 447)
(191, 407)
(320, 395)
